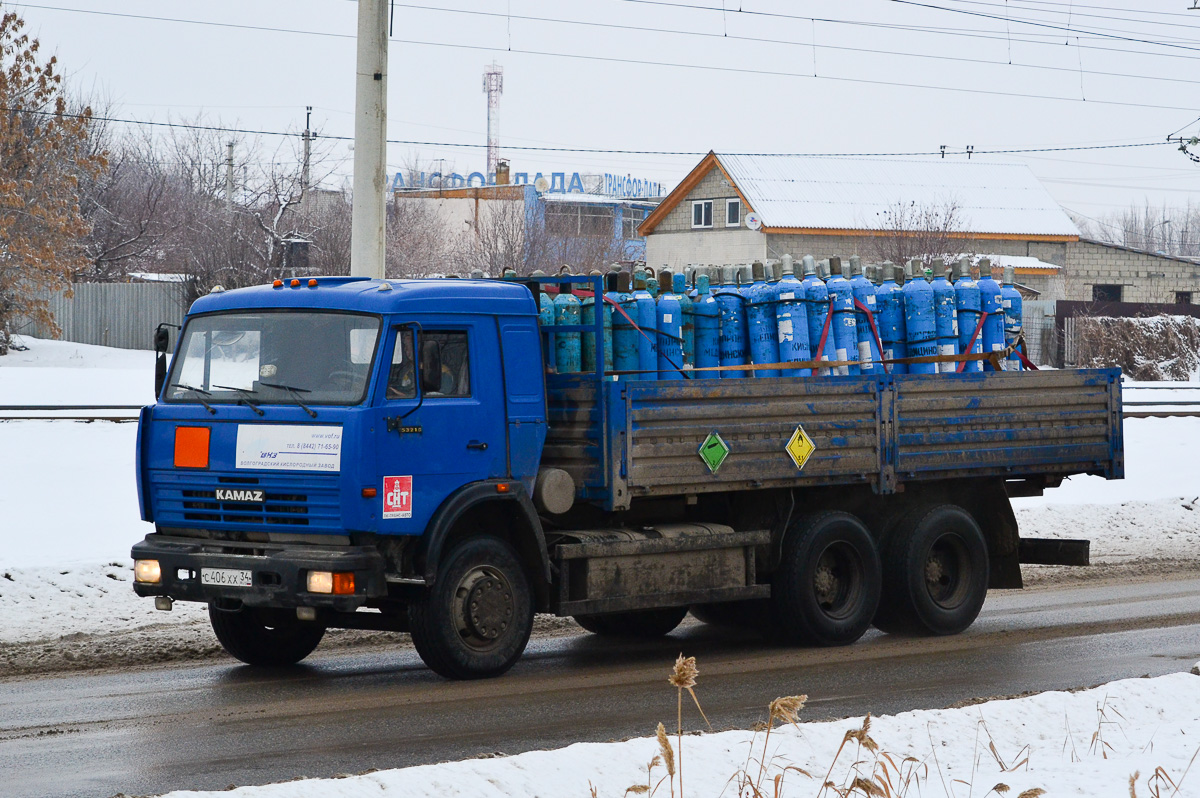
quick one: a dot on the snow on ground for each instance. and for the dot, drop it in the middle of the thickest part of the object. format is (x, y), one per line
(60, 372)
(1090, 743)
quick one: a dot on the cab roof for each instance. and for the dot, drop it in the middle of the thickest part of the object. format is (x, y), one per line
(366, 295)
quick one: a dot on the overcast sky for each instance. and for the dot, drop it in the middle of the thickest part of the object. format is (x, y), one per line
(677, 76)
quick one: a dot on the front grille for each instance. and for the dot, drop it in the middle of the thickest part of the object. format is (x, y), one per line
(308, 502)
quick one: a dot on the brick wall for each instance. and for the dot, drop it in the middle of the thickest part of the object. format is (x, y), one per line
(716, 246)
(713, 186)
(1143, 277)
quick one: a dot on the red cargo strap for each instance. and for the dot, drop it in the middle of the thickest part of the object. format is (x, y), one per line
(634, 324)
(963, 364)
(878, 343)
(1018, 345)
(824, 332)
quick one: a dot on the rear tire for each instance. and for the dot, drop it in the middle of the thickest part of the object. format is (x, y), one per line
(643, 624)
(828, 583)
(936, 573)
(264, 637)
(476, 619)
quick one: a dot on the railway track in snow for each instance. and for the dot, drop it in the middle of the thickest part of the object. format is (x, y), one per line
(1140, 401)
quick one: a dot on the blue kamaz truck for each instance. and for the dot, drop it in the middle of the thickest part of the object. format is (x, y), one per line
(394, 455)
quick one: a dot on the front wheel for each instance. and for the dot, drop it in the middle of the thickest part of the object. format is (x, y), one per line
(476, 619)
(265, 637)
(827, 586)
(644, 624)
(936, 575)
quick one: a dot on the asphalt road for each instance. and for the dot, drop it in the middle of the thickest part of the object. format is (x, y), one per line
(213, 725)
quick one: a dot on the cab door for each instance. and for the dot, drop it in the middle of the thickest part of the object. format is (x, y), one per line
(440, 420)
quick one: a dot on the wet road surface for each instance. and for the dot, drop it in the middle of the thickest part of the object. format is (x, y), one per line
(212, 725)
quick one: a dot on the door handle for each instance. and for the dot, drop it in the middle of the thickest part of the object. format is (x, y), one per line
(480, 445)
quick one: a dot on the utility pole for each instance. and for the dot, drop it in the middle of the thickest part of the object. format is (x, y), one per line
(229, 178)
(367, 225)
(308, 137)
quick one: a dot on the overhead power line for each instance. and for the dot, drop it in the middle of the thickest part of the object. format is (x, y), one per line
(605, 151)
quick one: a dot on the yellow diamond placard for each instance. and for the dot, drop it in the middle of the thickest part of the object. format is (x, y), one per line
(800, 447)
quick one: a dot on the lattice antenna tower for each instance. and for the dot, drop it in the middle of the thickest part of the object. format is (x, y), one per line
(493, 85)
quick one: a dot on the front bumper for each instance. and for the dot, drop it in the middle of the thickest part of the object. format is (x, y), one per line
(279, 572)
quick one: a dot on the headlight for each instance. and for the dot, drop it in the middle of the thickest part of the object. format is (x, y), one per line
(147, 571)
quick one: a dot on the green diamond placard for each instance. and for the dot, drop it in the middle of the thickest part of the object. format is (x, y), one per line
(713, 451)
(800, 447)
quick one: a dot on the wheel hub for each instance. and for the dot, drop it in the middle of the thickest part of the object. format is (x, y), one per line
(489, 607)
(825, 583)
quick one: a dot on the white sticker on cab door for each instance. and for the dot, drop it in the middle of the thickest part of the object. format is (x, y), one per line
(289, 447)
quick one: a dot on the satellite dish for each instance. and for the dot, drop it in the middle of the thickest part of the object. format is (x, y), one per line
(541, 184)
(753, 222)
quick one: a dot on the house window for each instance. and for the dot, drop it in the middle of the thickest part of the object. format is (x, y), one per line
(1106, 293)
(1183, 297)
(733, 212)
(702, 213)
(630, 219)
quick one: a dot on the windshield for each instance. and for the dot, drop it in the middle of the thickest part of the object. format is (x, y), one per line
(278, 357)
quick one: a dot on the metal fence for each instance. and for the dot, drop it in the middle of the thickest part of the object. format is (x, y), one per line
(123, 315)
(1041, 335)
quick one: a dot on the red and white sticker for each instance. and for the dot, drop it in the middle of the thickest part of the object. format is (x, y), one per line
(397, 497)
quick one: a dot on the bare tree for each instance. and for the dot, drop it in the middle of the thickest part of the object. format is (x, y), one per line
(45, 154)
(924, 232)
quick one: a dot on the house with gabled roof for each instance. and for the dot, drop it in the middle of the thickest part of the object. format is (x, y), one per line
(742, 208)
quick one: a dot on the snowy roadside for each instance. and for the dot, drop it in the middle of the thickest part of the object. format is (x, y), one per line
(1130, 737)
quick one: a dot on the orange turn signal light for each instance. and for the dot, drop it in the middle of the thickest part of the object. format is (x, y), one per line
(502, 488)
(369, 493)
(191, 447)
(343, 584)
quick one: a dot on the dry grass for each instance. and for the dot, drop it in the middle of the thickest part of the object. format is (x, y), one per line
(870, 771)
(1153, 348)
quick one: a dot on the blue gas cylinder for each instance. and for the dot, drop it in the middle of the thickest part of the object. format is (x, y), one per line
(670, 331)
(567, 346)
(945, 311)
(679, 284)
(545, 317)
(733, 322)
(967, 301)
(844, 328)
(816, 298)
(991, 302)
(889, 298)
(625, 337)
(791, 320)
(1013, 308)
(652, 286)
(919, 321)
(761, 323)
(708, 327)
(587, 317)
(866, 321)
(647, 321)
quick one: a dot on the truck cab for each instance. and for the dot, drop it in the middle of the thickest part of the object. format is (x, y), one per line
(308, 434)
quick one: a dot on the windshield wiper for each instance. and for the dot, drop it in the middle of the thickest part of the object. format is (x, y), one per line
(295, 392)
(200, 394)
(245, 400)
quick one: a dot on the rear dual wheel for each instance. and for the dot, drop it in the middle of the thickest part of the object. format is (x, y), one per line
(936, 573)
(827, 586)
(644, 624)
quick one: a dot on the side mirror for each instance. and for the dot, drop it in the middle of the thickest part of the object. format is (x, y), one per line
(431, 367)
(162, 345)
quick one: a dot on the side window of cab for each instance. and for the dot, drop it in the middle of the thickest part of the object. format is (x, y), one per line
(443, 370)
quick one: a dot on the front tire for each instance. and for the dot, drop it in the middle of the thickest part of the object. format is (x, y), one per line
(827, 586)
(643, 624)
(265, 637)
(476, 619)
(936, 576)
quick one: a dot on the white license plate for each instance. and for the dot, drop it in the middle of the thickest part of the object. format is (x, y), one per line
(227, 577)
